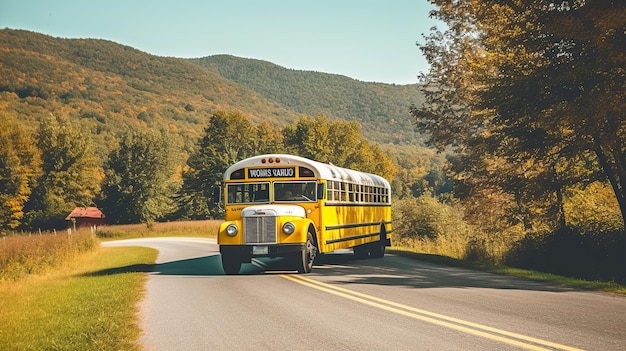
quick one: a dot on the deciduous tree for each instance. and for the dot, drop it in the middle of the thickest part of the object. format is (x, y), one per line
(229, 137)
(535, 87)
(338, 142)
(20, 165)
(140, 184)
(71, 173)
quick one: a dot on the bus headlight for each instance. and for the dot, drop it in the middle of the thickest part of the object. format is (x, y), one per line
(289, 228)
(232, 230)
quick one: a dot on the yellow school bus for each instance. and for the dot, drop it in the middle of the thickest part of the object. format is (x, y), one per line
(288, 206)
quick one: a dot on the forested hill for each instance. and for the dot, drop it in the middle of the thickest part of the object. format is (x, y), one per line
(110, 88)
(382, 109)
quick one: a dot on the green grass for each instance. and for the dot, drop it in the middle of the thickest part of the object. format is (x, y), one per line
(515, 272)
(88, 305)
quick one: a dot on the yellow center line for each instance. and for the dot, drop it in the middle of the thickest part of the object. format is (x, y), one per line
(431, 317)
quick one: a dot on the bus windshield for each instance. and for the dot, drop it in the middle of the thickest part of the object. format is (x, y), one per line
(248, 193)
(295, 191)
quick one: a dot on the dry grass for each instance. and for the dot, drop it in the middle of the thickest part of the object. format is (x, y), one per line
(25, 255)
(454, 246)
(204, 229)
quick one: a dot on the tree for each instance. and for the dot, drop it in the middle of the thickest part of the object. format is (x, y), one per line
(338, 142)
(229, 137)
(20, 165)
(71, 173)
(531, 87)
(139, 183)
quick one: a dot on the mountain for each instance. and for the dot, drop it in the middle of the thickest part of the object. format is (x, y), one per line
(382, 109)
(110, 88)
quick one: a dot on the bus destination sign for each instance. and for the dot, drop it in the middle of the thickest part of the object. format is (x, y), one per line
(288, 172)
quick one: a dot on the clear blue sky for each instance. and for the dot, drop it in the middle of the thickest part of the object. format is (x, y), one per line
(368, 40)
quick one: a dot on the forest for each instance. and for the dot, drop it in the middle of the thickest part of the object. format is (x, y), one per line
(511, 150)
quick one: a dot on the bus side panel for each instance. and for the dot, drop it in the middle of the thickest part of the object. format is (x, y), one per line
(342, 222)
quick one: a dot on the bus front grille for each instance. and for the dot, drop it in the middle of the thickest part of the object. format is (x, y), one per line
(260, 230)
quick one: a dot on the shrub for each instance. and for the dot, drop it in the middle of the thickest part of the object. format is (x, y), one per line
(568, 253)
(429, 226)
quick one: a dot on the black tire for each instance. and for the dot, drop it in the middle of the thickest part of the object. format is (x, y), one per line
(231, 264)
(377, 249)
(361, 252)
(304, 260)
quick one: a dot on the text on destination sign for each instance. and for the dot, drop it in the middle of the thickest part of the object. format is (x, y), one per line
(271, 172)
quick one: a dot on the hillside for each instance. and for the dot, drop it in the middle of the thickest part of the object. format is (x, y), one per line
(109, 88)
(382, 109)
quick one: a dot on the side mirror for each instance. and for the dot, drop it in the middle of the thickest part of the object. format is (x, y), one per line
(217, 194)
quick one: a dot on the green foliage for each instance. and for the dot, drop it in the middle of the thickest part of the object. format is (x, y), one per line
(139, 179)
(419, 171)
(431, 226)
(71, 173)
(568, 253)
(110, 88)
(337, 142)
(533, 106)
(426, 217)
(593, 209)
(229, 137)
(381, 109)
(20, 165)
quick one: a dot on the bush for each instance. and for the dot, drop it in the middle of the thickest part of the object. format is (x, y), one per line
(568, 253)
(593, 209)
(429, 226)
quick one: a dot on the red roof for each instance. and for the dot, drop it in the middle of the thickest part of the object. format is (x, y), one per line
(85, 212)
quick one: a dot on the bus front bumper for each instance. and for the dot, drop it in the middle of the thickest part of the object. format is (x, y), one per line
(247, 252)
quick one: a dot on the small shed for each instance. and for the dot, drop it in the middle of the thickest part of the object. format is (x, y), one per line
(86, 217)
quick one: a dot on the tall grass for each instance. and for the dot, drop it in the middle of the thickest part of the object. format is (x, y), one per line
(24, 255)
(207, 228)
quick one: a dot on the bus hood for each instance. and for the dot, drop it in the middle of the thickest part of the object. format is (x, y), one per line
(273, 210)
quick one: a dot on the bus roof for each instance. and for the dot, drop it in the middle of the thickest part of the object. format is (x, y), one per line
(321, 170)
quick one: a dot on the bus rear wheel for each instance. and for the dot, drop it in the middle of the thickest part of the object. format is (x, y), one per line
(377, 248)
(304, 260)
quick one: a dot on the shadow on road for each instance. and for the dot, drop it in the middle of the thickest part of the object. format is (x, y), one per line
(199, 266)
(344, 268)
(413, 273)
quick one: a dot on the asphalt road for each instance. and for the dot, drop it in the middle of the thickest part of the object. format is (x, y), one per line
(394, 303)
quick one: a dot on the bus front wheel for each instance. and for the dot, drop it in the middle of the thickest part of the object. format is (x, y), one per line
(231, 264)
(304, 260)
